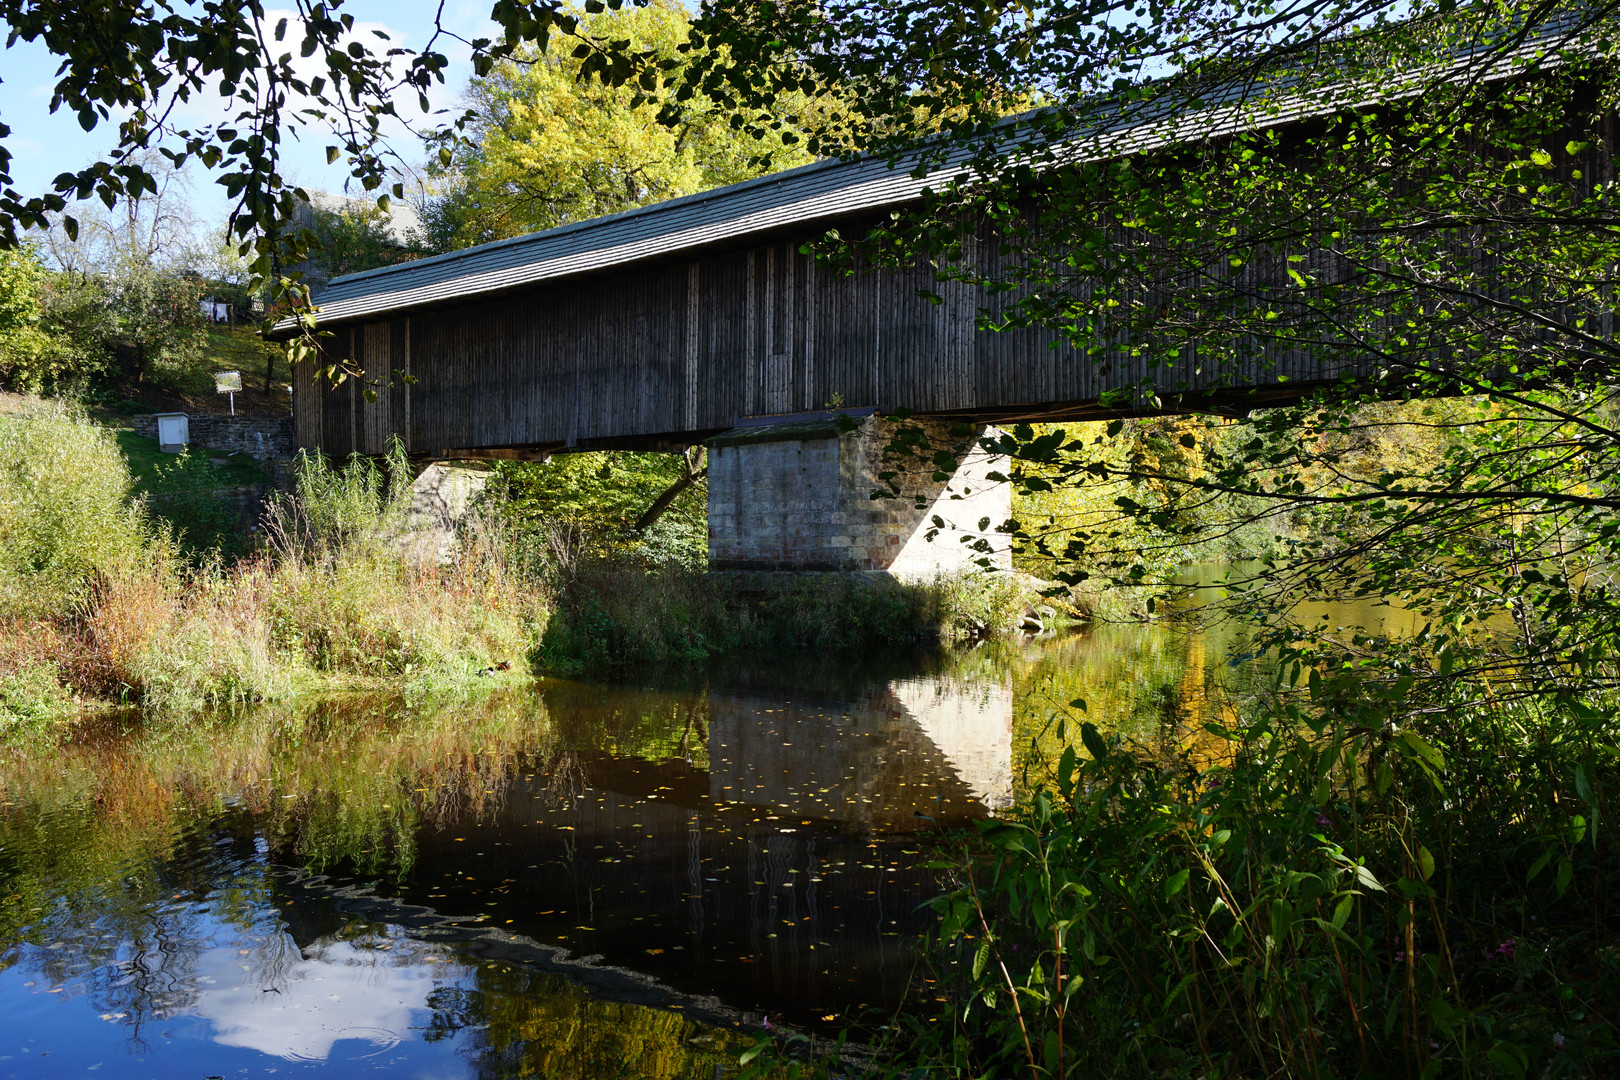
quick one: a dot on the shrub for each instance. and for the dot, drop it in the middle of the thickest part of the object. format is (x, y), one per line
(1325, 895)
(354, 590)
(344, 591)
(66, 519)
(31, 696)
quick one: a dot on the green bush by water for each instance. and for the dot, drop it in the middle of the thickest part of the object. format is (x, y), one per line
(1313, 894)
(614, 612)
(31, 696)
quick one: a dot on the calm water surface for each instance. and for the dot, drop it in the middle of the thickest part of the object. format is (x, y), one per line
(567, 880)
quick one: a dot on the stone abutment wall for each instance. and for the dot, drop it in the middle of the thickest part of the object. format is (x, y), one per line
(798, 495)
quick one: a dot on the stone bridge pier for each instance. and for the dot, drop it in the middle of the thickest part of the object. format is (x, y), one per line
(796, 493)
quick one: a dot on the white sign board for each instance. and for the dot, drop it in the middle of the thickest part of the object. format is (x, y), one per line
(228, 382)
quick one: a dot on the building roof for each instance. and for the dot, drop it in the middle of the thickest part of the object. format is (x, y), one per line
(823, 192)
(402, 217)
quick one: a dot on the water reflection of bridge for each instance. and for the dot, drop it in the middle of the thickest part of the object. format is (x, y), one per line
(736, 842)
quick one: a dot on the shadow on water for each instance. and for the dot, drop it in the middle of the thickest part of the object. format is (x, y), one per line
(558, 880)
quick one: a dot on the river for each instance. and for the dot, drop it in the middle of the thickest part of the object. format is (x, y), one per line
(567, 879)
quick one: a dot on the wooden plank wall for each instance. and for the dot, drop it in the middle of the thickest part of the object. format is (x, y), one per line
(690, 348)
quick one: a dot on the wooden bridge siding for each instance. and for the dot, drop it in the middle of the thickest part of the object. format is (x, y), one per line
(673, 349)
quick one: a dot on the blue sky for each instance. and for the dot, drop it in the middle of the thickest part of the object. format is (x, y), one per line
(44, 145)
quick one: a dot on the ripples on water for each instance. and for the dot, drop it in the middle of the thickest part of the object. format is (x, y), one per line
(573, 880)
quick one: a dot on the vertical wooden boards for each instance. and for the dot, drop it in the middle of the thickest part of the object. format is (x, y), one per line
(307, 406)
(337, 402)
(749, 358)
(955, 354)
(811, 394)
(685, 348)
(689, 349)
(376, 389)
(726, 332)
(405, 431)
(350, 389)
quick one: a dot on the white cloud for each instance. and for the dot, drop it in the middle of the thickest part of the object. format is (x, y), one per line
(331, 993)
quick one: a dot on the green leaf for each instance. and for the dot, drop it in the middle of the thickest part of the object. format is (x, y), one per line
(1180, 988)
(1425, 862)
(1583, 786)
(1093, 740)
(1508, 1061)
(1068, 763)
(981, 957)
(1421, 748)
(1342, 910)
(1366, 878)
(1176, 882)
(1282, 920)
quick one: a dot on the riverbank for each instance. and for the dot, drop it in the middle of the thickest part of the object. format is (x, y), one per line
(105, 600)
(101, 603)
(615, 613)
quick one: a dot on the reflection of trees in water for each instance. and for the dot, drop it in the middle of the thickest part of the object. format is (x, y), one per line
(132, 935)
(513, 1022)
(1158, 683)
(1155, 683)
(361, 784)
(105, 845)
(347, 781)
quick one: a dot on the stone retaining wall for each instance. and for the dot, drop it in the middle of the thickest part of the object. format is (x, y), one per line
(263, 438)
(268, 440)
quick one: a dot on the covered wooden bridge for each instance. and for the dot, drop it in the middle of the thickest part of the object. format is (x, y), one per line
(700, 320)
(667, 325)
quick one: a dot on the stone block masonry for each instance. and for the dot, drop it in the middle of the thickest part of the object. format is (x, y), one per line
(266, 439)
(798, 495)
(263, 438)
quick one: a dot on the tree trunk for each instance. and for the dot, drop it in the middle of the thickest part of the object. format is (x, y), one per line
(696, 469)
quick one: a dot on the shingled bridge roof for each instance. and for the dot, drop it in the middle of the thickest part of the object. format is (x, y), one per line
(819, 194)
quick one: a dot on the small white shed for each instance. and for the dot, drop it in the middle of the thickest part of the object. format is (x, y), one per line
(174, 432)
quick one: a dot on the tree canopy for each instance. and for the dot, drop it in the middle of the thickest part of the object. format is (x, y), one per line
(548, 146)
(132, 64)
